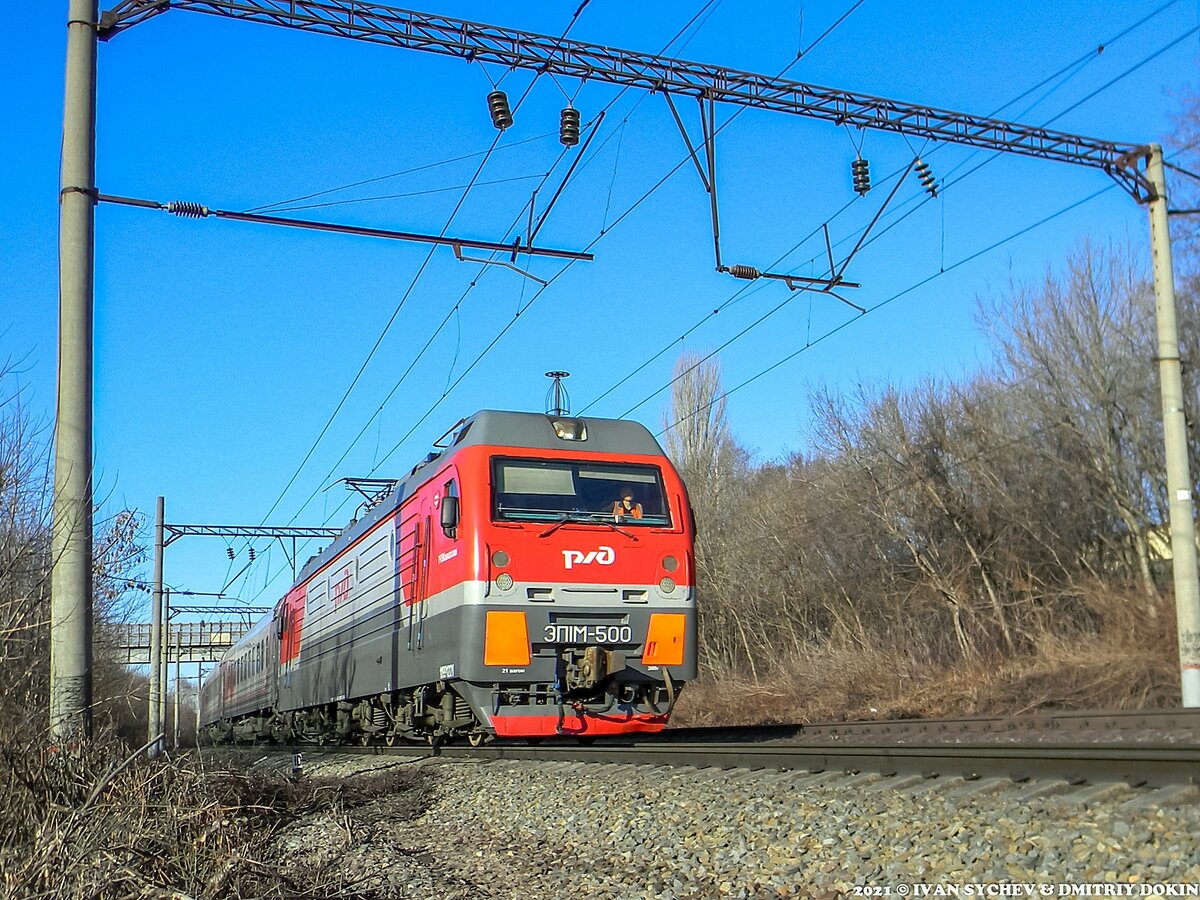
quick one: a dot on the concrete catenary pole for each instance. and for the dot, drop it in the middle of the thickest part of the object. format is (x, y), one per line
(71, 542)
(178, 682)
(1179, 479)
(154, 716)
(164, 675)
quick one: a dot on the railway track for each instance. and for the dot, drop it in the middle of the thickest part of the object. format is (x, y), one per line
(1148, 749)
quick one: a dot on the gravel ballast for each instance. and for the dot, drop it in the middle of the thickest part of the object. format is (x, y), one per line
(523, 829)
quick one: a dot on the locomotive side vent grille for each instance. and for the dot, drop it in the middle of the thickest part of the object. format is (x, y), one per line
(462, 709)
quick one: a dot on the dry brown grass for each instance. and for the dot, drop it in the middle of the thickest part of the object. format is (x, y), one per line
(93, 822)
(1122, 658)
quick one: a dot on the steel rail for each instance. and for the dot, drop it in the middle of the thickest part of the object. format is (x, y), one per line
(1113, 724)
(1141, 765)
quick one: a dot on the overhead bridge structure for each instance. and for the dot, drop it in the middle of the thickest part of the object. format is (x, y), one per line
(184, 642)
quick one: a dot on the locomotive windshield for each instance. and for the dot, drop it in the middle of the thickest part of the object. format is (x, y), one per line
(543, 490)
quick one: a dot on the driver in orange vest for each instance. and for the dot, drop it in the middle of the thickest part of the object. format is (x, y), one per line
(626, 507)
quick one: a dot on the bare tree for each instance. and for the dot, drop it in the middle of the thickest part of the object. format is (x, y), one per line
(25, 562)
(1184, 180)
(1079, 352)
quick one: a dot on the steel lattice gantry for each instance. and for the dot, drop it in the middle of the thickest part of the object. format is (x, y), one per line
(175, 532)
(576, 59)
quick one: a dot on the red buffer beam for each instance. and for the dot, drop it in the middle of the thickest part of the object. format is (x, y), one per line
(576, 59)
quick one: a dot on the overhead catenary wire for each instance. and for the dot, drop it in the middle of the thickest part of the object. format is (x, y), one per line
(710, 5)
(420, 354)
(386, 329)
(1070, 70)
(748, 289)
(410, 171)
(506, 328)
(405, 195)
(993, 156)
(828, 31)
(413, 283)
(943, 269)
(897, 296)
(604, 231)
(408, 292)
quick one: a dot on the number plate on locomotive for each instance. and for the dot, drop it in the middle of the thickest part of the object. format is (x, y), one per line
(587, 634)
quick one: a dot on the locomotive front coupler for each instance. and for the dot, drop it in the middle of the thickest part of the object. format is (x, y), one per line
(583, 668)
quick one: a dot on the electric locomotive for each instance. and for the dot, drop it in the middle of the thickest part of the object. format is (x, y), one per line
(533, 577)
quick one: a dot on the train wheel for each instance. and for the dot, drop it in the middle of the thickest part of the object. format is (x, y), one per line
(476, 738)
(390, 739)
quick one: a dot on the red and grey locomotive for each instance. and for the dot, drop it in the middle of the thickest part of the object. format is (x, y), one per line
(533, 578)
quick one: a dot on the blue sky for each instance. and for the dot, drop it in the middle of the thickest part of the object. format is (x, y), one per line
(223, 348)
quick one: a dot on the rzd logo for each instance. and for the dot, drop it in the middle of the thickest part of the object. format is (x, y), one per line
(604, 556)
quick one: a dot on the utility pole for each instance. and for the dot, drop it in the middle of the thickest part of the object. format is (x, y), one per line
(1179, 479)
(154, 717)
(71, 540)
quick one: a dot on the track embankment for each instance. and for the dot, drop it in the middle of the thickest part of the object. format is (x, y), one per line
(782, 812)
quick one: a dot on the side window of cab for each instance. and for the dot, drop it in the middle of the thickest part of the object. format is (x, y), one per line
(450, 509)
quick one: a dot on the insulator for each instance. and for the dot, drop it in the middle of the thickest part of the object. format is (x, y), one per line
(568, 127)
(251, 554)
(502, 116)
(747, 272)
(860, 169)
(229, 551)
(927, 180)
(187, 210)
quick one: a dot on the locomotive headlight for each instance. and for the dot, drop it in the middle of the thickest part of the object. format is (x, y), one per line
(570, 429)
(500, 559)
(504, 581)
(667, 584)
(670, 563)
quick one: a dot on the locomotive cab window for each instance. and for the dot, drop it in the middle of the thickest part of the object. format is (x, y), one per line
(542, 490)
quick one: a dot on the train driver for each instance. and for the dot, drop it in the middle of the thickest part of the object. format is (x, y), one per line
(625, 506)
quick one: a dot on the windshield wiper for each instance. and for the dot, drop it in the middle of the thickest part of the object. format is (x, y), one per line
(614, 526)
(585, 519)
(566, 517)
